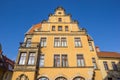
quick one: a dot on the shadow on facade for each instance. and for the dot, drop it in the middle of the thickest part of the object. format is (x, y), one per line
(113, 74)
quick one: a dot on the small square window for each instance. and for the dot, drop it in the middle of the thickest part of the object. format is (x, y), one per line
(59, 28)
(53, 28)
(59, 19)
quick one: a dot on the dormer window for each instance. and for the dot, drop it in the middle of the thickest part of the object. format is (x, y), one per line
(59, 19)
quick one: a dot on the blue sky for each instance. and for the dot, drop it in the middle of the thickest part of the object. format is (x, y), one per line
(101, 18)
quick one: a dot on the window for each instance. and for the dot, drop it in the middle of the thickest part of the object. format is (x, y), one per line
(31, 60)
(94, 63)
(80, 60)
(43, 78)
(56, 60)
(59, 28)
(43, 42)
(53, 28)
(90, 46)
(78, 78)
(10, 67)
(66, 28)
(78, 42)
(63, 42)
(64, 61)
(60, 42)
(22, 77)
(105, 65)
(22, 59)
(41, 63)
(114, 66)
(61, 78)
(57, 42)
(59, 19)
(28, 42)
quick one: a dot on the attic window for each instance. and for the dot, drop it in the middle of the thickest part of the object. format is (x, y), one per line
(59, 12)
(59, 19)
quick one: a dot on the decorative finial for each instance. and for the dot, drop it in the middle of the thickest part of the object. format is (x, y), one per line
(60, 8)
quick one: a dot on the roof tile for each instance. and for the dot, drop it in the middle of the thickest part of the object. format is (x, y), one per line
(108, 54)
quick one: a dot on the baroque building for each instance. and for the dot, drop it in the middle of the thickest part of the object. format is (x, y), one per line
(57, 49)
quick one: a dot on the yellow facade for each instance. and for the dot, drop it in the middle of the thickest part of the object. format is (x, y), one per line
(110, 73)
(76, 67)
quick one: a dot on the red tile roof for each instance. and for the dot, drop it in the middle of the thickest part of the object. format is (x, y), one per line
(7, 60)
(108, 54)
(36, 26)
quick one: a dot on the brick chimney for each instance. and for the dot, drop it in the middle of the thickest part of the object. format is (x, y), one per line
(97, 49)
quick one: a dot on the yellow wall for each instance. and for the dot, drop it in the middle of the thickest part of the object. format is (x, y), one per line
(30, 75)
(69, 73)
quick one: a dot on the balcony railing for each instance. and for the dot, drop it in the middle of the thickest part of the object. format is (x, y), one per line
(29, 45)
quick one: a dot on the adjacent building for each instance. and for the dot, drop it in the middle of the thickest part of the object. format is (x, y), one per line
(6, 66)
(58, 49)
(109, 65)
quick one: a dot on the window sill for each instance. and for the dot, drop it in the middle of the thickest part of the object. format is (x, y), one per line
(78, 46)
(91, 50)
(41, 66)
(30, 64)
(25, 64)
(43, 46)
(69, 67)
(60, 46)
(21, 64)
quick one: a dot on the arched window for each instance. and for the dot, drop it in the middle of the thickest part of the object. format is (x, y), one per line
(61, 78)
(22, 77)
(78, 78)
(43, 78)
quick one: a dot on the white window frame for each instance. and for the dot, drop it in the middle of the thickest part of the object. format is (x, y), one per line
(64, 62)
(28, 42)
(22, 58)
(31, 60)
(42, 60)
(57, 60)
(60, 41)
(43, 41)
(77, 42)
(80, 60)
